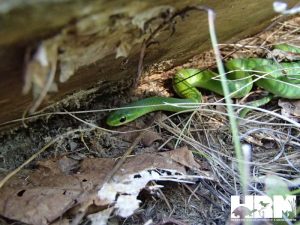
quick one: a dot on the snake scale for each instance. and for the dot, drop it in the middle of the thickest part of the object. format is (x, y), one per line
(279, 79)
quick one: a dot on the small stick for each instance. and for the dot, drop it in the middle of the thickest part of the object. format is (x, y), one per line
(11, 174)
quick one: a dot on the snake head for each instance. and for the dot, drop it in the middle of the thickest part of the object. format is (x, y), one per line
(133, 111)
(121, 117)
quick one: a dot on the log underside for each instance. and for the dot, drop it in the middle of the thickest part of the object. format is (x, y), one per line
(99, 42)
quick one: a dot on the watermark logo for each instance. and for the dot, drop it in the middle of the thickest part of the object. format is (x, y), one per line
(263, 207)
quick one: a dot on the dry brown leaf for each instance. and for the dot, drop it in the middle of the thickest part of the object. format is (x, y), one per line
(61, 222)
(40, 71)
(52, 189)
(148, 138)
(290, 108)
(254, 140)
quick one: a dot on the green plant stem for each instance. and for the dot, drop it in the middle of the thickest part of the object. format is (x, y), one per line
(231, 114)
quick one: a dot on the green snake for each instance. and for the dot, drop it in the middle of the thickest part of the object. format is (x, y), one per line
(279, 79)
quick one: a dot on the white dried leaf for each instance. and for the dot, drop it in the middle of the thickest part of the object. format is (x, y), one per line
(124, 191)
(41, 56)
(279, 6)
(130, 202)
(282, 7)
(100, 218)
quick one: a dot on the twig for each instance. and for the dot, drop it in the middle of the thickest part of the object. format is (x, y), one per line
(231, 114)
(164, 198)
(123, 158)
(14, 172)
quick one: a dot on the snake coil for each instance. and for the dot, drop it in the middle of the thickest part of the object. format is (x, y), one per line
(279, 79)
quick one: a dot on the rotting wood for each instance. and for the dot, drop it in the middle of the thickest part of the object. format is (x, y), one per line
(96, 32)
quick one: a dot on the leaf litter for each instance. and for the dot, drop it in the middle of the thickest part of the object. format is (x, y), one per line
(58, 186)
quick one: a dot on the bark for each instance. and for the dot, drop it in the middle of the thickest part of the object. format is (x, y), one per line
(99, 41)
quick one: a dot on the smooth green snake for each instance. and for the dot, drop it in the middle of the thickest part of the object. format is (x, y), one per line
(279, 79)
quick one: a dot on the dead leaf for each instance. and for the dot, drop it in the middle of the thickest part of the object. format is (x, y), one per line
(281, 55)
(100, 218)
(61, 222)
(254, 140)
(52, 190)
(148, 138)
(67, 165)
(38, 67)
(290, 108)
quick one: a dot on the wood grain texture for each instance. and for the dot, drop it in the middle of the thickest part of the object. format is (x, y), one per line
(93, 30)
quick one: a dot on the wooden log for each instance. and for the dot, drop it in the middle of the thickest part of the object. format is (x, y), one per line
(100, 40)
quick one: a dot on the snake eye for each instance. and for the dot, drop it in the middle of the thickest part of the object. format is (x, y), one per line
(122, 119)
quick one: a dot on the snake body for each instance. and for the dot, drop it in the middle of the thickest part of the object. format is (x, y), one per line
(279, 79)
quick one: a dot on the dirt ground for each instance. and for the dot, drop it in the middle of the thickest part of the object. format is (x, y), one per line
(274, 142)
